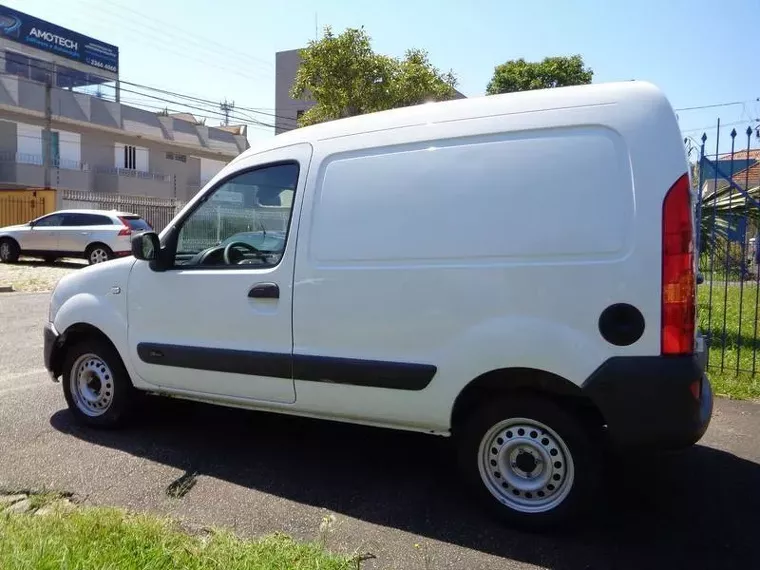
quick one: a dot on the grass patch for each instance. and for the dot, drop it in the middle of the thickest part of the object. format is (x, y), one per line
(728, 315)
(110, 538)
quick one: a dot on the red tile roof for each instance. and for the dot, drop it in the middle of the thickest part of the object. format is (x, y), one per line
(749, 176)
(753, 153)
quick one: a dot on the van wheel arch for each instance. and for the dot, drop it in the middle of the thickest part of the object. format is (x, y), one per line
(73, 335)
(525, 381)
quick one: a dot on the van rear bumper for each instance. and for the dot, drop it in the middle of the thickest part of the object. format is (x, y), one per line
(658, 402)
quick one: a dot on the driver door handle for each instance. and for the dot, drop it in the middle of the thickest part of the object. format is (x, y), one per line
(264, 291)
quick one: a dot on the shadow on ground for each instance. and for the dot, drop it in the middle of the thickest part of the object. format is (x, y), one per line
(63, 263)
(697, 509)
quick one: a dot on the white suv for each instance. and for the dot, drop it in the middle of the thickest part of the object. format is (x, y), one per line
(95, 235)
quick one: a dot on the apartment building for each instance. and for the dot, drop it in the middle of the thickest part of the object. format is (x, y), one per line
(95, 145)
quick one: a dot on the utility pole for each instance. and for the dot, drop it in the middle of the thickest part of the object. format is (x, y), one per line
(46, 136)
(226, 109)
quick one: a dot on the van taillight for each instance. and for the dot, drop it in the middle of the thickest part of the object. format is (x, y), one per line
(126, 230)
(678, 302)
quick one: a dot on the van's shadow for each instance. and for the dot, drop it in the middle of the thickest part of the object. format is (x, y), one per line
(65, 263)
(696, 509)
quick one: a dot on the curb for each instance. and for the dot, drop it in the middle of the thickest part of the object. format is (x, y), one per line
(6, 288)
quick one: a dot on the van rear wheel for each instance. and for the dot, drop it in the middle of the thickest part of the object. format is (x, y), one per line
(530, 462)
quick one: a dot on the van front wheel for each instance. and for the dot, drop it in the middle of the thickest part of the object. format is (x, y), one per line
(96, 385)
(530, 462)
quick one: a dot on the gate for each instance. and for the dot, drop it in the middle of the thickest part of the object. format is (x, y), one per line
(19, 207)
(158, 212)
(728, 217)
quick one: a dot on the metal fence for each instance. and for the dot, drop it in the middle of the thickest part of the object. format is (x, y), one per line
(208, 226)
(727, 212)
(211, 224)
(158, 212)
(20, 209)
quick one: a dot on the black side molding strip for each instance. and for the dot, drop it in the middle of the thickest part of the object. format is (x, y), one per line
(368, 373)
(217, 359)
(349, 371)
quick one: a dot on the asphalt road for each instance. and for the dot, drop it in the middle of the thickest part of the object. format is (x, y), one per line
(261, 473)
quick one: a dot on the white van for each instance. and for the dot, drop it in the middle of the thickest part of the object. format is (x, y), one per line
(516, 271)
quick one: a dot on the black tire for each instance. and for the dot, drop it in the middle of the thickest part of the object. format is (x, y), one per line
(123, 395)
(9, 250)
(92, 248)
(585, 452)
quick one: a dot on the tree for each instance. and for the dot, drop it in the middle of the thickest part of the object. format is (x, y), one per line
(346, 77)
(521, 75)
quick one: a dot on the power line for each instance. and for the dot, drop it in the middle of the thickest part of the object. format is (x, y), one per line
(197, 46)
(206, 101)
(711, 106)
(722, 125)
(145, 21)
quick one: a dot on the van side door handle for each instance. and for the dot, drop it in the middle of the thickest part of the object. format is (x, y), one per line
(264, 291)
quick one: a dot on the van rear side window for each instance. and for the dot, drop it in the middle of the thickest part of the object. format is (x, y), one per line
(505, 197)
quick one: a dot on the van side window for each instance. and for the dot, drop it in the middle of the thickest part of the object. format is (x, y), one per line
(243, 221)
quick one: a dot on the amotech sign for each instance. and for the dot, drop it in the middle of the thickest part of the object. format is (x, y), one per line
(26, 29)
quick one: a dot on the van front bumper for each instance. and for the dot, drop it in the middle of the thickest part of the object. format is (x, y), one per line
(50, 351)
(658, 402)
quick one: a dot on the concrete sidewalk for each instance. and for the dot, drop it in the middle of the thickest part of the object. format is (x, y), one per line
(260, 473)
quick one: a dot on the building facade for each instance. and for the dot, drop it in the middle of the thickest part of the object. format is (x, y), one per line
(94, 145)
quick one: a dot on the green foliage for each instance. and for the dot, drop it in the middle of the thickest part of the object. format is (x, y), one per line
(108, 538)
(738, 348)
(346, 78)
(520, 75)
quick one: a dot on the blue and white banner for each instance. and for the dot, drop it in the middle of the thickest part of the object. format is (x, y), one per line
(25, 29)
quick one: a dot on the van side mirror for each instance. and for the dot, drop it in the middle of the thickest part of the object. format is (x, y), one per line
(145, 246)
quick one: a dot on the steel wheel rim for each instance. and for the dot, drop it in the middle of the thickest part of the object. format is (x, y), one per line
(98, 255)
(5, 251)
(91, 384)
(526, 465)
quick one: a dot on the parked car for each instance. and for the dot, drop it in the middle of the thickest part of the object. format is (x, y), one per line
(95, 235)
(515, 271)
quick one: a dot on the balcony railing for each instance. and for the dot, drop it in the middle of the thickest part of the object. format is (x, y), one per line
(39, 160)
(133, 173)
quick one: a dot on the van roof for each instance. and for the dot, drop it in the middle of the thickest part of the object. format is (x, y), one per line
(460, 109)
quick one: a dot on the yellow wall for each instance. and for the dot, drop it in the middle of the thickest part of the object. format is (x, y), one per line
(20, 206)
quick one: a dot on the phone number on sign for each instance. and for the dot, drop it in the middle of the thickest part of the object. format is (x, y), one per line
(100, 64)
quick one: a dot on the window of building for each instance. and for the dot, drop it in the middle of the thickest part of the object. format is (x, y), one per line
(16, 64)
(40, 70)
(130, 157)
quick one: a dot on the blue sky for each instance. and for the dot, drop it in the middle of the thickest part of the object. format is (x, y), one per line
(699, 52)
